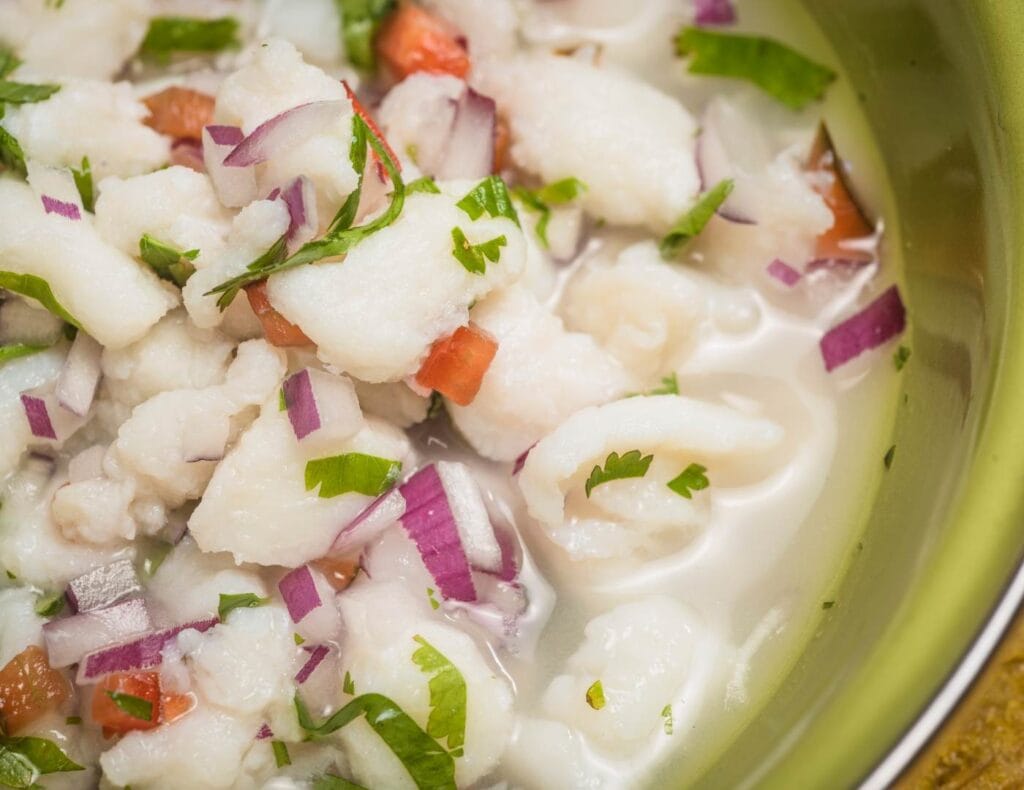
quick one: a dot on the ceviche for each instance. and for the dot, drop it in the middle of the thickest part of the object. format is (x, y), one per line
(434, 393)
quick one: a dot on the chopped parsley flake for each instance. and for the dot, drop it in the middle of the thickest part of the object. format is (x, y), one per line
(298, 639)
(692, 478)
(447, 694)
(168, 35)
(632, 464)
(541, 201)
(348, 685)
(669, 386)
(425, 184)
(282, 400)
(16, 350)
(427, 762)
(36, 288)
(23, 93)
(595, 695)
(489, 197)
(901, 357)
(889, 455)
(169, 263)
(8, 62)
(11, 155)
(434, 603)
(84, 185)
(230, 602)
(136, 707)
(666, 714)
(474, 257)
(352, 472)
(50, 605)
(281, 756)
(781, 72)
(332, 782)
(360, 21)
(24, 759)
(696, 219)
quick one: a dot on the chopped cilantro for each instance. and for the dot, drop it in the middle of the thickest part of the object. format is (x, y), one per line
(434, 603)
(232, 601)
(489, 197)
(901, 357)
(541, 201)
(16, 350)
(72, 721)
(169, 263)
(36, 288)
(8, 62)
(696, 219)
(360, 20)
(11, 155)
(666, 714)
(447, 718)
(889, 455)
(50, 605)
(281, 756)
(775, 68)
(692, 478)
(436, 405)
(24, 759)
(332, 782)
(23, 93)
(595, 695)
(425, 184)
(298, 639)
(348, 685)
(474, 257)
(352, 472)
(341, 236)
(425, 759)
(669, 386)
(170, 34)
(84, 185)
(282, 400)
(10, 575)
(619, 468)
(136, 707)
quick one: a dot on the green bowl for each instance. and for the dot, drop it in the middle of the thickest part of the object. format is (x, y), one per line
(942, 85)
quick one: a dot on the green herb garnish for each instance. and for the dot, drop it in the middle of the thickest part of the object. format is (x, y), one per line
(474, 257)
(447, 694)
(425, 184)
(595, 695)
(281, 756)
(50, 605)
(16, 350)
(8, 62)
(775, 68)
(901, 357)
(489, 197)
(298, 639)
(360, 21)
(827, 604)
(691, 479)
(348, 685)
(84, 185)
(632, 464)
(541, 201)
(12, 156)
(429, 765)
(352, 472)
(23, 93)
(666, 714)
(136, 707)
(168, 35)
(232, 601)
(696, 219)
(37, 288)
(669, 386)
(23, 760)
(169, 263)
(434, 603)
(332, 782)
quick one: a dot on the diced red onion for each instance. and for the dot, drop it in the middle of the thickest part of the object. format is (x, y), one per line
(76, 386)
(64, 209)
(235, 186)
(384, 511)
(285, 131)
(188, 153)
(880, 321)
(470, 514)
(47, 419)
(430, 524)
(510, 559)
(323, 409)
(316, 656)
(298, 589)
(38, 415)
(264, 733)
(302, 411)
(143, 653)
(300, 198)
(784, 273)
(103, 587)
(205, 437)
(714, 12)
(71, 638)
(520, 462)
(470, 149)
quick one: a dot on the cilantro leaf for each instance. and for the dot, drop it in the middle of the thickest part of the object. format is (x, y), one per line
(23, 93)
(595, 695)
(169, 263)
(50, 605)
(84, 185)
(170, 34)
(434, 603)
(281, 756)
(429, 765)
(619, 468)
(8, 62)
(232, 601)
(541, 201)
(348, 685)
(696, 219)
(666, 714)
(901, 357)
(691, 479)
(474, 257)
(489, 197)
(425, 184)
(11, 155)
(669, 386)
(352, 472)
(298, 639)
(447, 694)
(16, 770)
(16, 350)
(136, 707)
(775, 68)
(341, 237)
(36, 288)
(360, 21)
(45, 755)
(332, 782)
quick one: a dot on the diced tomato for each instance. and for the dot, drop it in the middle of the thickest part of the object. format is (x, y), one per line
(174, 706)
(412, 40)
(277, 329)
(360, 110)
(339, 571)
(850, 222)
(114, 719)
(29, 688)
(456, 364)
(502, 144)
(179, 112)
